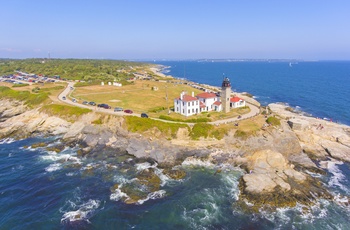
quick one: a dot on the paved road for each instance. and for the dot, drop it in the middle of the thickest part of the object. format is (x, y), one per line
(254, 110)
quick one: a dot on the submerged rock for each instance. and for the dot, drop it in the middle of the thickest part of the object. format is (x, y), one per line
(176, 174)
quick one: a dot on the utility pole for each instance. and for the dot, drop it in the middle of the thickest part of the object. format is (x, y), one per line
(166, 97)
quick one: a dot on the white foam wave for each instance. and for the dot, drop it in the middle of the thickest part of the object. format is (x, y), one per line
(197, 162)
(83, 213)
(53, 167)
(338, 177)
(53, 156)
(316, 175)
(117, 195)
(145, 165)
(7, 141)
(231, 183)
(340, 199)
(10, 155)
(153, 196)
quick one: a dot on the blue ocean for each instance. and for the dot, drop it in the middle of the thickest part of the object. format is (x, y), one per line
(320, 88)
(42, 189)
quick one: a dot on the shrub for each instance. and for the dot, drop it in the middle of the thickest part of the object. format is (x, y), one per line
(59, 87)
(26, 96)
(193, 120)
(138, 124)
(241, 134)
(273, 121)
(97, 122)
(19, 85)
(82, 84)
(36, 90)
(219, 133)
(201, 130)
(64, 111)
(156, 109)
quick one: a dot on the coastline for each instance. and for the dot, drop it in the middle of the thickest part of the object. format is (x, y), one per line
(278, 156)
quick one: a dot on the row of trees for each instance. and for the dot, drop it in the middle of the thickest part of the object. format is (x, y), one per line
(74, 69)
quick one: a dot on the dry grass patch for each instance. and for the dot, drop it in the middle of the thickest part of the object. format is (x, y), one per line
(138, 96)
(249, 127)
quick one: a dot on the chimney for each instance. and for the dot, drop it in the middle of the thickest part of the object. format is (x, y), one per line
(192, 94)
(182, 96)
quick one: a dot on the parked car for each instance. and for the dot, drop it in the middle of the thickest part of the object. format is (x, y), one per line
(92, 103)
(128, 111)
(74, 100)
(85, 103)
(104, 106)
(64, 98)
(144, 115)
(118, 109)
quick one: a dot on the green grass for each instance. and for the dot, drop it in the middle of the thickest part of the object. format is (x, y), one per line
(201, 130)
(273, 121)
(192, 120)
(19, 85)
(219, 133)
(98, 122)
(241, 134)
(138, 124)
(59, 87)
(64, 111)
(30, 99)
(157, 109)
(82, 84)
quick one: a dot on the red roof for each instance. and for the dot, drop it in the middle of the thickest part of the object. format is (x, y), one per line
(202, 105)
(235, 99)
(206, 95)
(187, 98)
(218, 103)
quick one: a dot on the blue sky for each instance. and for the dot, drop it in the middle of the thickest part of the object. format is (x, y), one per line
(181, 29)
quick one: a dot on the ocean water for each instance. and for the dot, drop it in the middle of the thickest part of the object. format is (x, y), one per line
(320, 89)
(40, 189)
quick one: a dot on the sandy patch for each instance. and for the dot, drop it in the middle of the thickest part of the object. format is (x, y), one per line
(114, 100)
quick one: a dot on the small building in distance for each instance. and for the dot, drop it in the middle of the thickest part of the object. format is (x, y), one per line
(236, 102)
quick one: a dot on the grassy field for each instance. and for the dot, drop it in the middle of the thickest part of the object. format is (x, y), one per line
(138, 96)
(64, 111)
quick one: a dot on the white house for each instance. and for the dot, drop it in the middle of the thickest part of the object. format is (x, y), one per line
(236, 102)
(208, 99)
(205, 102)
(187, 105)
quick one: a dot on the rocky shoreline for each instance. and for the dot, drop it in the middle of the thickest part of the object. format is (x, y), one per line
(276, 159)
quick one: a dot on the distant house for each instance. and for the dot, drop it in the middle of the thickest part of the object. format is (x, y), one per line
(236, 102)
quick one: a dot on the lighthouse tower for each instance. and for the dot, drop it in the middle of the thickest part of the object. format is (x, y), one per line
(226, 95)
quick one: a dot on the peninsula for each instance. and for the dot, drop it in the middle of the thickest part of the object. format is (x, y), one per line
(275, 146)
